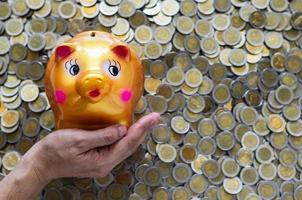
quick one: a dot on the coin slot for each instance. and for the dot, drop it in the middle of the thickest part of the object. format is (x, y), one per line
(92, 34)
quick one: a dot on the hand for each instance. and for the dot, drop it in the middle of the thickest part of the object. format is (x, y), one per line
(80, 153)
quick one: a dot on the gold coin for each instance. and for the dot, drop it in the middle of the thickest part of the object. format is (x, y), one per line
(244, 157)
(29, 92)
(153, 50)
(229, 167)
(257, 19)
(221, 94)
(162, 34)
(231, 36)
(232, 185)
(225, 141)
(158, 104)
(288, 157)
(158, 69)
(210, 168)
(182, 172)
(10, 160)
(267, 189)
(160, 193)
(188, 153)
(180, 193)
(206, 146)
(175, 76)
(193, 77)
(203, 28)
(10, 118)
(179, 125)
(276, 123)
(184, 25)
(126, 9)
(198, 183)
(151, 85)
(166, 153)
(250, 140)
(152, 176)
(249, 175)
(264, 153)
(5, 11)
(207, 127)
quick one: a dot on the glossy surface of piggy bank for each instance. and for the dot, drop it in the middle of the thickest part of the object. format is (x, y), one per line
(93, 80)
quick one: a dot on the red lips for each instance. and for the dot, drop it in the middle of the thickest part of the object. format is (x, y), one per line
(94, 93)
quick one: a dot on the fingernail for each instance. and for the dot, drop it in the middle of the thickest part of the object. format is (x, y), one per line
(122, 130)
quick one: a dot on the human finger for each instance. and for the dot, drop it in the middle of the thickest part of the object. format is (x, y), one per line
(101, 137)
(135, 135)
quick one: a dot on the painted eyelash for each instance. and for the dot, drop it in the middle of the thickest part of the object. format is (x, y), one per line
(116, 63)
(70, 64)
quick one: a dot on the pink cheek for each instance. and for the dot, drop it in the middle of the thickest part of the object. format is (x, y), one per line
(126, 95)
(60, 96)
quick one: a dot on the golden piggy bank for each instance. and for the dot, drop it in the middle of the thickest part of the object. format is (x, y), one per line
(93, 80)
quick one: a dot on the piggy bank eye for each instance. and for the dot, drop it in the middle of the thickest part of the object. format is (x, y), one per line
(114, 68)
(72, 67)
(74, 70)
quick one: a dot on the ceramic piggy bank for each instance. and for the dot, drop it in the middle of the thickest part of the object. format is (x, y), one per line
(92, 81)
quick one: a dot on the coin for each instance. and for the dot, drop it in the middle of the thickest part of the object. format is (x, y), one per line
(5, 11)
(17, 52)
(250, 140)
(221, 22)
(207, 127)
(206, 146)
(160, 134)
(126, 9)
(232, 185)
(193, 77)
(166, 153)
(257, 19)
(29, 92)
(184, 25)
(180, 192)
(14, 26)
(36, 70)
(152, 176)
(210, 168)
(231, 36)
(237, 57)
(188, 153)
(203, 28)
(175, 76)
(10, 160)
(158, 104)
(221, 94)
(244, 157)
(153, 50)
(191, 43)
(294, 128)
(10, 118)
(182, 172)
(158, 69)
(179, 125)
(264, 153)
(170, 7)
(248, 115)
(36, 42)
(67, 9)
(209, 45)
(4, 45)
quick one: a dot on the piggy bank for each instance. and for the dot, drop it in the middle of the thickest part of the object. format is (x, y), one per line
(92, 81)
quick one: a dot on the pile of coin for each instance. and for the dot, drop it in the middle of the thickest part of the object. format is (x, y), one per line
(225, 75)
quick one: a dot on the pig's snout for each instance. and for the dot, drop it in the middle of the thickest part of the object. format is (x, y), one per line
(90, 86)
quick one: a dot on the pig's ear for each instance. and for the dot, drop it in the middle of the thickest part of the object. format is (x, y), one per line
(63, 51)
(122, 51)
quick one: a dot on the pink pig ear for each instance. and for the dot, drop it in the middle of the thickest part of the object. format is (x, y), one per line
(122, 51)
(63, 51)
